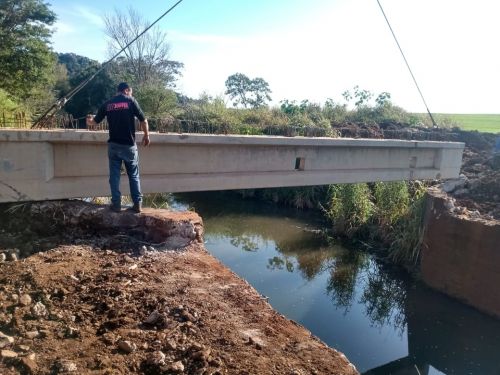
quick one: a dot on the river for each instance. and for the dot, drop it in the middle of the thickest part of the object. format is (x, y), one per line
(381, 319)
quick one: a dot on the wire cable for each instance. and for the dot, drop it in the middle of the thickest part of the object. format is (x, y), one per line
(59, 104)
(408, 65)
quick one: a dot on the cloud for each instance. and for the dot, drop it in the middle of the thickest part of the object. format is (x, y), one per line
(63, 28)
(91, 17)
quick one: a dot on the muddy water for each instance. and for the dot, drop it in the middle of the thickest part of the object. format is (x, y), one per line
(384, 322)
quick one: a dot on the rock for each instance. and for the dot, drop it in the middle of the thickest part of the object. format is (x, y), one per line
(3, 257)
(156, 358)
(25, 300)
(449, 204)
(143, 250)
(453, 184)
(32, 334)
(28, 366)
(201, 355)
(176, 367)
(8, 354)
(5, 340)
(13, 255)
(127, 346)
(109, 338)
(462, 191)
(128, 259)
(39, 310)
(65, 366)
(152, 318)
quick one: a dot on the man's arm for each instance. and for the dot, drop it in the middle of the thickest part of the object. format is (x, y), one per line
(145, 128)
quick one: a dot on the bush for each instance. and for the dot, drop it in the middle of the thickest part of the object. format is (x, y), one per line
(408, 232)
(391, 201)
(350, 208)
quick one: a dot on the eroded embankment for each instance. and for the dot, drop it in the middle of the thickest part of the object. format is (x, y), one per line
(102, 299)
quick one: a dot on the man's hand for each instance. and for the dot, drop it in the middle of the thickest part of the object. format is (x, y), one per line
(89, 121)
(145, 140)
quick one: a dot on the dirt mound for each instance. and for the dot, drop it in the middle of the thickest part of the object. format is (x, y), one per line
(84, 309)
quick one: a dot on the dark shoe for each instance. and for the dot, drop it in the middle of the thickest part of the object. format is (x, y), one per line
(115, 208)
(137, 207)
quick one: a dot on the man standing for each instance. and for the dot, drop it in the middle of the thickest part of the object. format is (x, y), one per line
(120, 112)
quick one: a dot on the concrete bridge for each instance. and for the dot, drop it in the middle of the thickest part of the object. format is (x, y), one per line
(58, 164)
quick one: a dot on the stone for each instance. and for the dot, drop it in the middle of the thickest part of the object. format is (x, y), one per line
(156, 358)
(127, 346)
(152, 318)
(177, 367)
(3, 257)
(449, 204)
(31, 334)
(65, 366)
(453, 184)
(39, 310)
(28, 366)
(461, 191)
(13, 255)
(25, 300)
(5, 340)
(6, 354)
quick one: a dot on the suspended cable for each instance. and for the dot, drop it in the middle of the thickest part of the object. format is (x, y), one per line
(59, 104)
(408, 65)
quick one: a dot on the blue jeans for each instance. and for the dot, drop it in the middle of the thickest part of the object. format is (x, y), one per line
(130, 157)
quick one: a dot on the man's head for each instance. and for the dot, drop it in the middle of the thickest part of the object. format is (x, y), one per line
(124, 88)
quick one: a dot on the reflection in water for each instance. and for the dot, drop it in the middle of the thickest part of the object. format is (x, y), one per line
(384, 322)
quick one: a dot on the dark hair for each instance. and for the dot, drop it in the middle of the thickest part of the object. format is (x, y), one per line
(122, 86)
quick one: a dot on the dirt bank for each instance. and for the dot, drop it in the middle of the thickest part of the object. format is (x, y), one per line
(112, 296)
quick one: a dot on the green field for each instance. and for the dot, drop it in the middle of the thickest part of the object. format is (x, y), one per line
(482, 123)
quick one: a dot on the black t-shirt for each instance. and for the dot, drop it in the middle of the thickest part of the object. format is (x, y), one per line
(121, 111)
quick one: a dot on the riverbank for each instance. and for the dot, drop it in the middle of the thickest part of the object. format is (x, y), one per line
(124, 293)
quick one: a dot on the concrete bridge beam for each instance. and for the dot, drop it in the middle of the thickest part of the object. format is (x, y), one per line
(57, 164)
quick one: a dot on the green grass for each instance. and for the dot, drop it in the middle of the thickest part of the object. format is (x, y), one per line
(479, 122)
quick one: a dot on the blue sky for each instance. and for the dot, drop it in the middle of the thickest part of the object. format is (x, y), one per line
(317, 49)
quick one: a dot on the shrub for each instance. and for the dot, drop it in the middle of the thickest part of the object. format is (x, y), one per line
(350, 208)
(408, 232)
(391, 200)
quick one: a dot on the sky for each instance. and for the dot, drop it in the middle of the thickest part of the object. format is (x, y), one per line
(317, 49)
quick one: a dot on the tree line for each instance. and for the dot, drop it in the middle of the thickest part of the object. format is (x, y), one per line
(32, 77)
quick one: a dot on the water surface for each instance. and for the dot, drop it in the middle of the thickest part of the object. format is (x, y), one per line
(384, 322)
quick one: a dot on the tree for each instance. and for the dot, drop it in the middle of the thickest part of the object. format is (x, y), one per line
(96, 92)
(146, 61)
(26, 61)
(247, 92)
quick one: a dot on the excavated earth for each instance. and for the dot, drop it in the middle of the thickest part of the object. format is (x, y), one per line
(84, 290)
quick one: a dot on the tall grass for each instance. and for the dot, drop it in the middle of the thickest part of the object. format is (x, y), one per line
(350, 208)
(388, 211)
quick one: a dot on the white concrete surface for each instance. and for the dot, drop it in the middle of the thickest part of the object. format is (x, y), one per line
(57, 164)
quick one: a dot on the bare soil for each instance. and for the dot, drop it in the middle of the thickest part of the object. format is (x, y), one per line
(84, 307)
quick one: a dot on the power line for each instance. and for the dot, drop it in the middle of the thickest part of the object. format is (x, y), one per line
(59, 104)
(408, 65)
